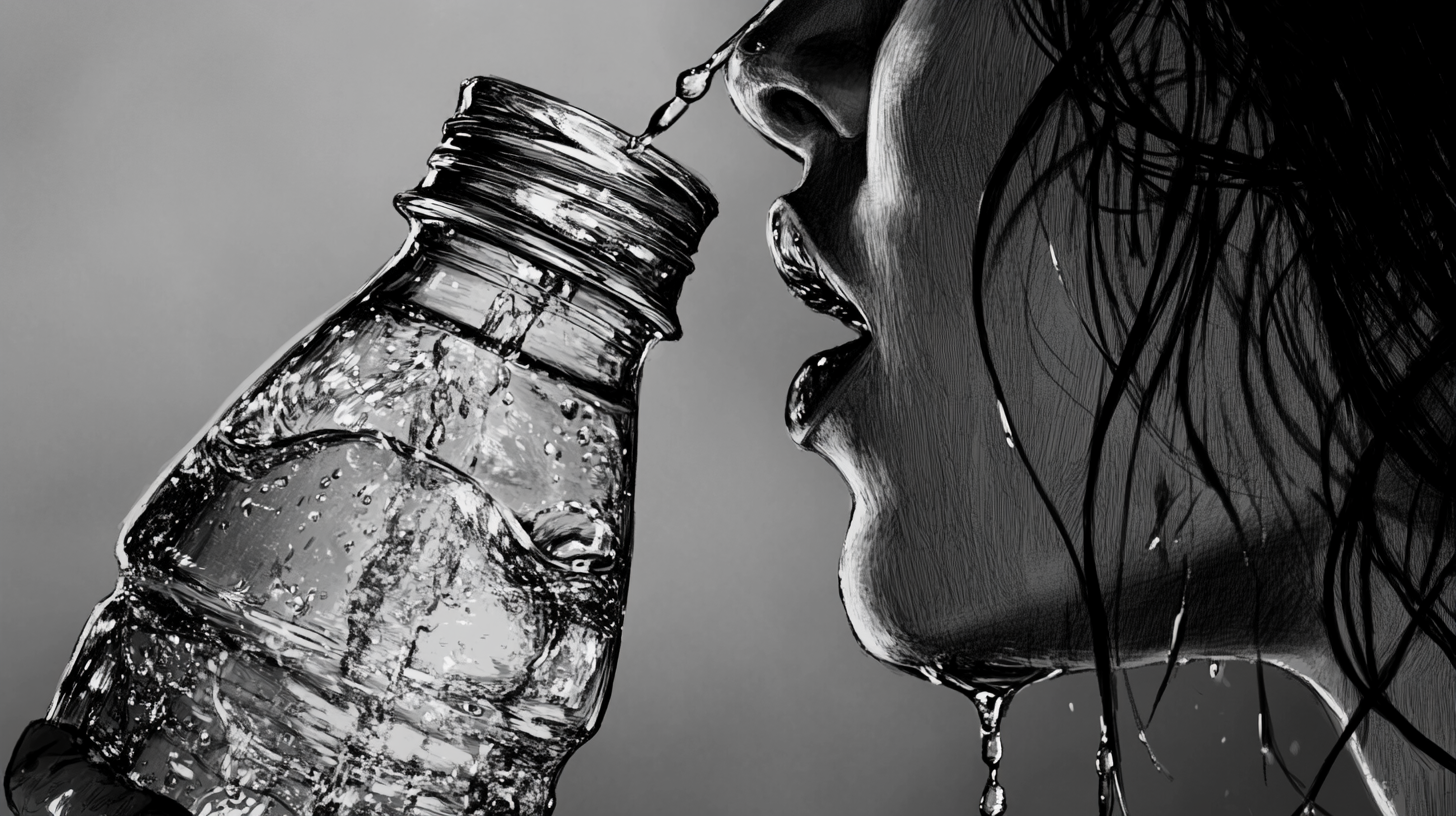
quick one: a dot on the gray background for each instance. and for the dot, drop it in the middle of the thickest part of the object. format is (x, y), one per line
(183, 186)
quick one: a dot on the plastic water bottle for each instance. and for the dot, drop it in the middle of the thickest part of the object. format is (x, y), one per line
(390, 577)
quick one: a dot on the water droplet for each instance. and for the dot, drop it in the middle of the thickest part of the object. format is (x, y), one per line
(1106, 779)
(569, 408)
(1153, 545)
(1005, 424)
(366, 499)
(551, 450)
(694, 82)
(1213, 669)
(338, 472)
(313, 515)
(991, 749)
(507, 398)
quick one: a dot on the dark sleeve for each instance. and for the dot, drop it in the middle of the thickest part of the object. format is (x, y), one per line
(50, 774)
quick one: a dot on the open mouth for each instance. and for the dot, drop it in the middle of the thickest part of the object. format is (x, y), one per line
(804, 270)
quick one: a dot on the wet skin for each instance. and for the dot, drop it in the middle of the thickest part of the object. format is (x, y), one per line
(898, 111)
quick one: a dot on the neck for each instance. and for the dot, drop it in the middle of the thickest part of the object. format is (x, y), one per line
(1264, 604)
(1401, 779)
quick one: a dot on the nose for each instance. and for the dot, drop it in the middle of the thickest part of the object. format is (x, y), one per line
(801, 77)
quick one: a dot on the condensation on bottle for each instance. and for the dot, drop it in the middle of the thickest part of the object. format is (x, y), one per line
(390, 577)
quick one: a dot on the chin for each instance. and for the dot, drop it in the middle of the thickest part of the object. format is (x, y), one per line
(899, 588)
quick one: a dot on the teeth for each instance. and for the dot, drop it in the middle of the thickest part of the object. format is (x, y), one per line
(801, 268)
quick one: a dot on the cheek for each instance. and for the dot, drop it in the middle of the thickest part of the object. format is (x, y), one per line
(946, 528)
(951, 79)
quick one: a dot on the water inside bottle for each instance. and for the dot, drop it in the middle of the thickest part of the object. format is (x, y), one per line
(401, 553)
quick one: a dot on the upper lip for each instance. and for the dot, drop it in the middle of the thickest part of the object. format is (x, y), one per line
(804, 269)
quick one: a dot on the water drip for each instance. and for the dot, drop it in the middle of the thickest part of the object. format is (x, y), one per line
(991, 691)
(1106, 779)
(991, 707)
(693, 84)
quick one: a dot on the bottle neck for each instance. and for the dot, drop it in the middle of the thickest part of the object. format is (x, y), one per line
(538, 317)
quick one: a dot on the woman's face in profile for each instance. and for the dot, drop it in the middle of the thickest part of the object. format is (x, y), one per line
(899, 112)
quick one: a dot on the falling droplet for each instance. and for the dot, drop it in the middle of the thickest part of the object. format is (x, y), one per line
(991, 749)
(1153, 545)
(993, 800)
(1106, 779)
(1213, 669)
(991, 707)
(1005, 424)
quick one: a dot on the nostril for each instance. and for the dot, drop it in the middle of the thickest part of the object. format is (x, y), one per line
(794, 115)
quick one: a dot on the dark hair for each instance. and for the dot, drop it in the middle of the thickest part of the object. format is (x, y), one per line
(1326, 137)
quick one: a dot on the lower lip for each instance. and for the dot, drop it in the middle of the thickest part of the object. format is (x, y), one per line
(817, 381)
